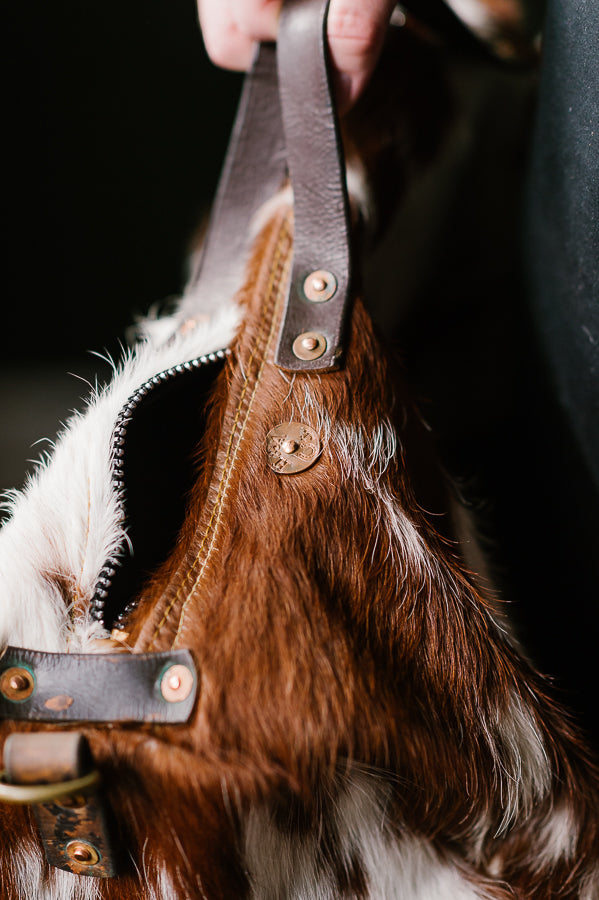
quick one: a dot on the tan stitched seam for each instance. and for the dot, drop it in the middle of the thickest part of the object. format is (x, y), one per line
(226, 486)
(225, 475)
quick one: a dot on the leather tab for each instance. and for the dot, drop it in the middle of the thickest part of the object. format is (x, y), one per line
(89, 687)
(73, 828)
(321, 211)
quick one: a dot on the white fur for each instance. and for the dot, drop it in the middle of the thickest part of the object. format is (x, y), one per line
(523, 773)
(364, 458)
(523, 770)
(166, 889)
(157, 881)
(590, 886)
(557, 838)
(395, 868)
(66, 520)
(27, 866)
(31, 885)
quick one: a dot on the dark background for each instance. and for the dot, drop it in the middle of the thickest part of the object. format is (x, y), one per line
(115, 127)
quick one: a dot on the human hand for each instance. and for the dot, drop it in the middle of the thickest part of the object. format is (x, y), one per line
(355, 29)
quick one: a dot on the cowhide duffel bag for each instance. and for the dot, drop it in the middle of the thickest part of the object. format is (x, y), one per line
(243, 655)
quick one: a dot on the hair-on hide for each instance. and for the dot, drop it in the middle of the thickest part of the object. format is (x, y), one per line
(64, 525)
(367, 727)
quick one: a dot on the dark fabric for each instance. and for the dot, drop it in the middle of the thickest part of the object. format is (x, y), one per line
(560, 465)
(563, 244)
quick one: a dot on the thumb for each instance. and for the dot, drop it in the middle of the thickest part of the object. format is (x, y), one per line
(356, 30)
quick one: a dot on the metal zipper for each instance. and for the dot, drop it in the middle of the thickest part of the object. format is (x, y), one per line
(119, 434)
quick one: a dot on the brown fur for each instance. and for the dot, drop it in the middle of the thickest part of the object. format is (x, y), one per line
(315, 653)
(311, 660)
(323, 646)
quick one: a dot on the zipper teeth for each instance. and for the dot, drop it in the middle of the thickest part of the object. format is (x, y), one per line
(119, 433)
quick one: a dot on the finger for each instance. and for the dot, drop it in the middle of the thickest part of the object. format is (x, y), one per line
(226, 43)
(356, 32)
(258, 19)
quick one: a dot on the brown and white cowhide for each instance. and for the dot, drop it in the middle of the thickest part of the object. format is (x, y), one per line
(367, 726)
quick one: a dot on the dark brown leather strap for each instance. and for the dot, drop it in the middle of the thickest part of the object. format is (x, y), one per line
(97, 687)
(73, 825)
(256, 163)
(321, 245)
(253, 171)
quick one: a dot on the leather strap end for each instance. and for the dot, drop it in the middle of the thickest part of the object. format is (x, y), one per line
(73, 824)
(313, 328)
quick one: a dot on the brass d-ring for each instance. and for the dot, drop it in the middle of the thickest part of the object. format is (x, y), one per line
(21, 794)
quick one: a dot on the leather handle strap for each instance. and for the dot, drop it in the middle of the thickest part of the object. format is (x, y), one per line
(253, 171)
(319, 286)
(286, 120)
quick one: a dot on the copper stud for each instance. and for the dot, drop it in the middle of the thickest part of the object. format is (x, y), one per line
(309, 345)
(82, 853)
(292, 447)
(176, 684)
(320, 286)
(17, 683)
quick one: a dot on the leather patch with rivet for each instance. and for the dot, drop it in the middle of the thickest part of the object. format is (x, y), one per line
(292, 447)
(82, 853)
(97, 687)
(309, 345)
(321, 216)
(176, 684)
(320, 286)
(17, 684)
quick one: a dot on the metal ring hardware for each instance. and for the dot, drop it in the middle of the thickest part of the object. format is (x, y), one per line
(22, 794)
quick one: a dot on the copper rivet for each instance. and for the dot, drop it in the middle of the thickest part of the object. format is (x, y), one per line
(309, 345)
(83, 853)
(292, 447)
(320, 286)
(17, 683)
(176, 684)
